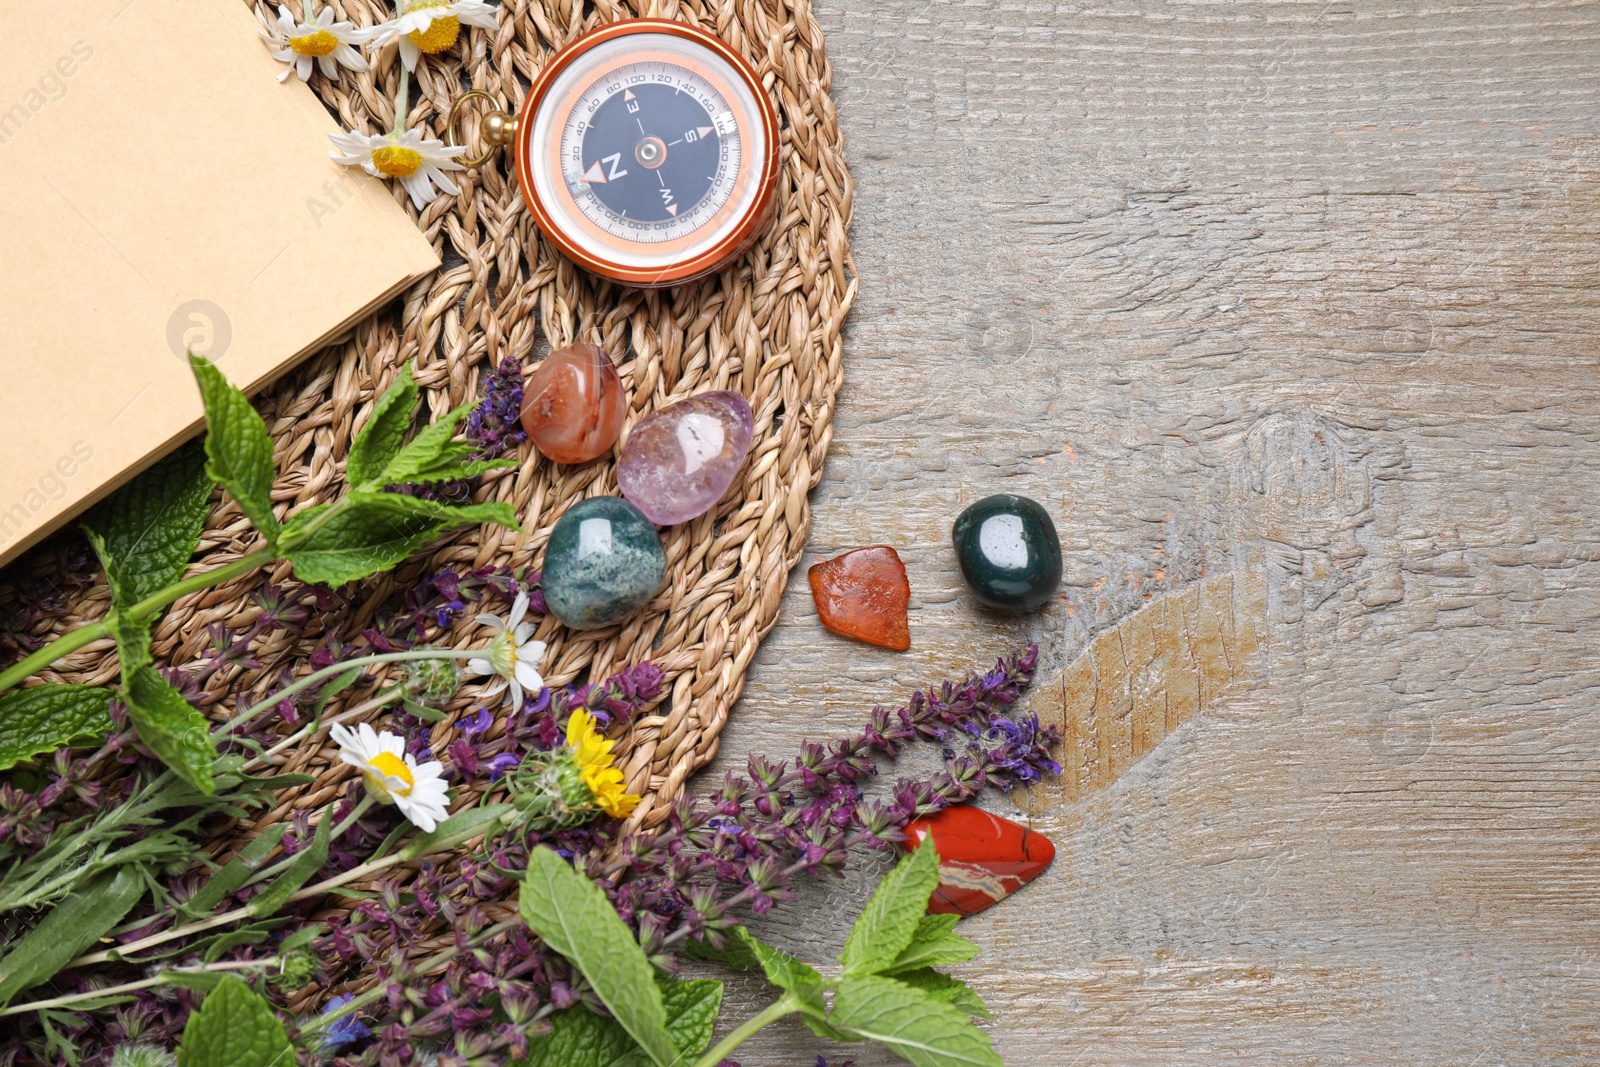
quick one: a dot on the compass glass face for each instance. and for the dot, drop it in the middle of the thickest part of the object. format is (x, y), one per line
(657, 157)
(643, 149)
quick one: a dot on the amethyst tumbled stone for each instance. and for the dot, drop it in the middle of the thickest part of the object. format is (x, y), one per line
(679, 461)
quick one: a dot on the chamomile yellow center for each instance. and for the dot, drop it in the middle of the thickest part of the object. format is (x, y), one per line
(393, 767)
(396, 161)
(440, 34)
(321, 43)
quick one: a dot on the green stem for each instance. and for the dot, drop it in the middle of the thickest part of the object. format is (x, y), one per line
(83, 635)
(131, 987)
(204, 580)
(337, 669)
(361, 808)
(784, 1005)
(402, 103)
(62, 646)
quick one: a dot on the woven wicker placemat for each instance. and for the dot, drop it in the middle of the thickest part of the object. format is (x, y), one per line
(768, 326)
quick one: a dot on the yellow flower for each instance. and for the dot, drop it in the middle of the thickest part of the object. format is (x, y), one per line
(606, 785)
(592, 750)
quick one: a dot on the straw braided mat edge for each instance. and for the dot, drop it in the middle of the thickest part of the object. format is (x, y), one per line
(768, 326)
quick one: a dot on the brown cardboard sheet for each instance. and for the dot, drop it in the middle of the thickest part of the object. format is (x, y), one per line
(160, 189)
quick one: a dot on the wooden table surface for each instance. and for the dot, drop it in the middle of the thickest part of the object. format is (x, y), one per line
(1286, 312)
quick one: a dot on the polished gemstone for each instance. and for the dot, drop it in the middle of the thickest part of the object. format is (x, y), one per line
(864, 594)
(982, 858)
(1009, 552)
(604, 561)
(573, 404)
(679, 461)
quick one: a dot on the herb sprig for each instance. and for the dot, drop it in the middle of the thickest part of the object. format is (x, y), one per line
(147, 532)
(581, 974)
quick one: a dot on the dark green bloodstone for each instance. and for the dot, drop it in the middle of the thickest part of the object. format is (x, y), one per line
(604, 561)
(1009, 552)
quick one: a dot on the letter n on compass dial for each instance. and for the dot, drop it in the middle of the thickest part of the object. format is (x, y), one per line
(654, 161)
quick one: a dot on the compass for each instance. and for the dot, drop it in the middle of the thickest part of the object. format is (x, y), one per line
(647, 151)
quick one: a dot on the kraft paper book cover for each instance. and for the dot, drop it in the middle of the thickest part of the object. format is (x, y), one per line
(162, 190)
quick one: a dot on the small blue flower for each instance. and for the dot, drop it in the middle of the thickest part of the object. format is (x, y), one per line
(346, 1029)
(501, 764)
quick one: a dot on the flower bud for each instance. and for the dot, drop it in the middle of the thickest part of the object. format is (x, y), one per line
(434, 681)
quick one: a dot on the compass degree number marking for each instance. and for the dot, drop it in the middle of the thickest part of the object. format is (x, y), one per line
(670, 119)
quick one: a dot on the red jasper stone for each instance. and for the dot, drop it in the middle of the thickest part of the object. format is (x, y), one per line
(982, 858)
(864, 594)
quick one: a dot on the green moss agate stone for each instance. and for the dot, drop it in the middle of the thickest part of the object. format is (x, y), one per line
(603, 562)
(1009, 552)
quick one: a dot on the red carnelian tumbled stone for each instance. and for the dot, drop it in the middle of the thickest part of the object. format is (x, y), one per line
(573, 404)
(982, 858)
(864, 594)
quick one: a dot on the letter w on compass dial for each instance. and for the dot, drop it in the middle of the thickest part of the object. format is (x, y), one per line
(651, 153)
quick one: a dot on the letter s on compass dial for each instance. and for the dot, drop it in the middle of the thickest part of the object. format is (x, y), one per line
(651, 154)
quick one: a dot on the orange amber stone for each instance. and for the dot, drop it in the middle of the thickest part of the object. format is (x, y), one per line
(573, 404)
(864, 594)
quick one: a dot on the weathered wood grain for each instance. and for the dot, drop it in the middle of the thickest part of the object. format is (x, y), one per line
(1297, 297)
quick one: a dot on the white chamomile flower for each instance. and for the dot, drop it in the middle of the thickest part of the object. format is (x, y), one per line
(431, 26)
(418, 162)
(328, 43)
(512, 655)
(393, 775)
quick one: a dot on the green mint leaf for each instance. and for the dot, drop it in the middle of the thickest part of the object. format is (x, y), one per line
(692, 1008)
(913, 1025)
(744, 951)
(71, 927)
(572, 916)
(372, 532)
(886, 925)
(940, 986)
(238, 447)
(429, 450)
(580, 1038)
(133, 643)
(170, 727)
(145, 532)
(235, 1027)
(306, 862)
(434, 510)
(934, 943)
(383, 432)
(747, 952)
(456, 465)
(47, 717)
(234, 873)
(352, 545)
